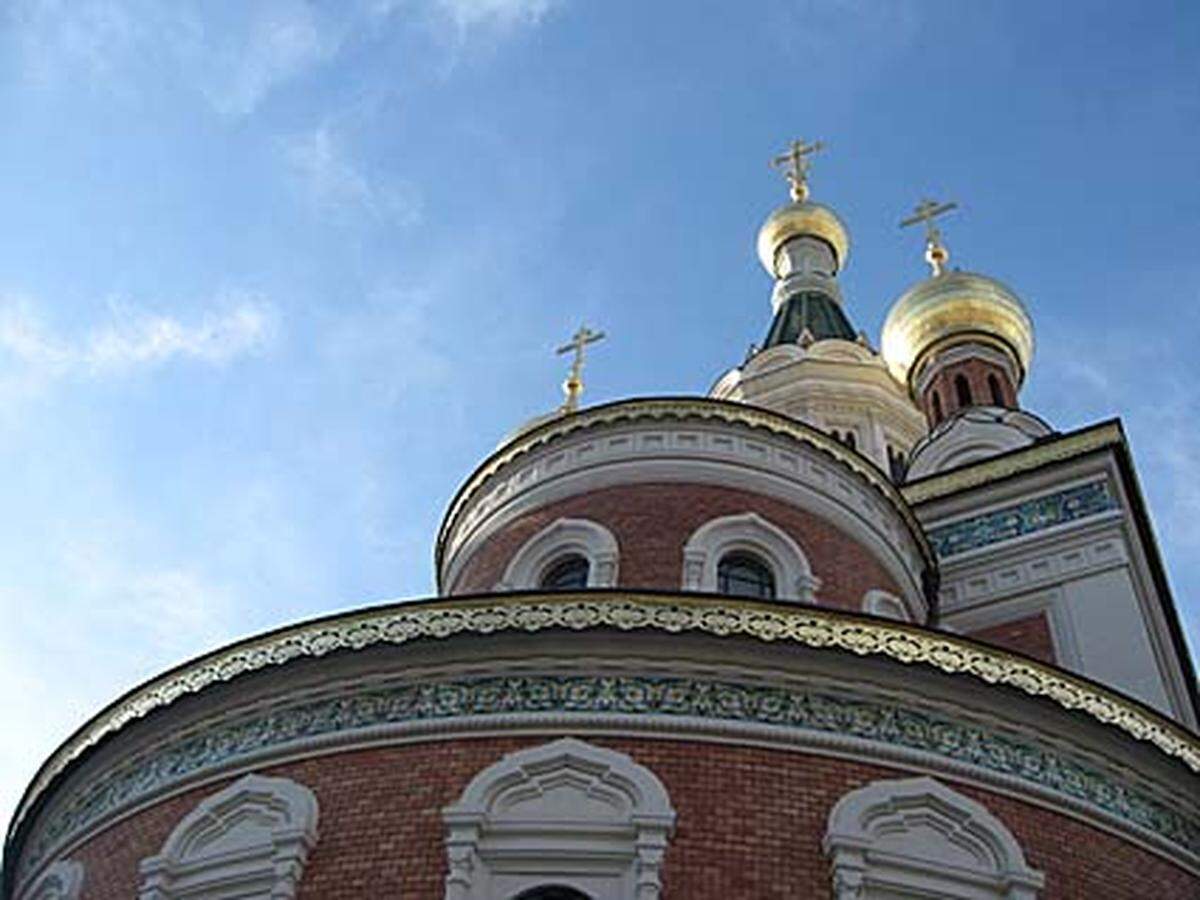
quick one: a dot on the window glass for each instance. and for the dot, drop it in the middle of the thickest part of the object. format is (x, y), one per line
(552, 892)
(963, 389)
(745, 575)
(997, 395)
(567, 574)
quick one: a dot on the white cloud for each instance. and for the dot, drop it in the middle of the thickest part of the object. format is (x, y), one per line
(238, 68)
(149, 617)
(233, 55)
(474, 13)
(131, 338)
(335, 185)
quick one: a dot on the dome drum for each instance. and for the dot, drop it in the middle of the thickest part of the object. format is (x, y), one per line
(652, 472)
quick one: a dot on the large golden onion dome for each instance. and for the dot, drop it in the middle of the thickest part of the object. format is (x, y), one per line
(798, 219)
(953, 307)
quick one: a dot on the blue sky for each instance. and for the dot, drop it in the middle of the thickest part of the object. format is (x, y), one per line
(274, 276)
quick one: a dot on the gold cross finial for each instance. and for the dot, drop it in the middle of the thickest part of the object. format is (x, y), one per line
(573, 386)
(927, 211)
(795, 164)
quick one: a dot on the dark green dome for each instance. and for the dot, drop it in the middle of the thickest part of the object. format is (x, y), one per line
(820, 314)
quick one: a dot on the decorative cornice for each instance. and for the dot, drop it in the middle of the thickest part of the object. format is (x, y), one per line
(1027, 459)
(800, 715)
(1027, 517)
(678, 409)
(671, 613)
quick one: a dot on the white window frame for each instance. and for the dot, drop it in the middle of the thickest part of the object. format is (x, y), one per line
(61, 881)
(562, 538)
(252, 838)
(748, 533)
(917, 837)
(564, 813)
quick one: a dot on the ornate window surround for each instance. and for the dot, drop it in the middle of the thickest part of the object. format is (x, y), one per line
(254, 835)
(567, 813)
(917, 836)
(886, 604)
(562, 537)
(749, 532)
(61, 881)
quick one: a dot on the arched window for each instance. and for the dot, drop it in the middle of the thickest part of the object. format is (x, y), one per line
(915, 837)
(745, 575)
(562, 821)
(588, 546)
(963, 390)
(569, 573)
(896, 467)
(994, 387)
(552, 892)
(851, 440)
(938, 415)
(747, 538)
(254, 836)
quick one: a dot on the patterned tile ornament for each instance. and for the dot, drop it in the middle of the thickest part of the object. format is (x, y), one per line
(804, 625)
(344, 715)
(1028, 517)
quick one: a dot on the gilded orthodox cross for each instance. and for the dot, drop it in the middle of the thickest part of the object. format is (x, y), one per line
(795, 164)
(927, 211)
(573, 386)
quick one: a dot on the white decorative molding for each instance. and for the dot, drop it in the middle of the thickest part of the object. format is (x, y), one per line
(250, 840)
(563, 537)
(831, 384)
(975, 434)
(915, 837)
(886, 604)
(686, 442)
(1073, 551)
(61, 881)
(565, 813)
(749, 532)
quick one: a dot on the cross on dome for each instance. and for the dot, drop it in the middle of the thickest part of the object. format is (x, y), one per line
(573, 386)
(927, 211)
(795, 164)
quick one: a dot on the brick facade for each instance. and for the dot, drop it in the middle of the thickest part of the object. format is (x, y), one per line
(652, 523)
(1030, 635)
(976, 372)
(750, 824)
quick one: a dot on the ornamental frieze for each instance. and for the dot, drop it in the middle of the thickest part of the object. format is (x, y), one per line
(514, 700)
(671, 613)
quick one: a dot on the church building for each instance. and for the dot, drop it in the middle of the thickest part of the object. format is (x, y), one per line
(856, 625)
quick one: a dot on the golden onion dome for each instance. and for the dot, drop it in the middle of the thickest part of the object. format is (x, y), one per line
(951, 306)
(796, 220)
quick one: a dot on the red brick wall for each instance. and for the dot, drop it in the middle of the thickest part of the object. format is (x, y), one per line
(1030, 636)
(652, 522)
(750, 824)
(976, 372)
